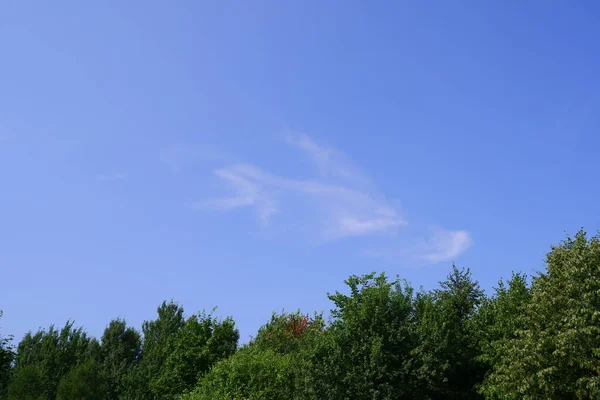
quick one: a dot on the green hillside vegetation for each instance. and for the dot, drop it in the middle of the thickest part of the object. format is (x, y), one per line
(535, 338)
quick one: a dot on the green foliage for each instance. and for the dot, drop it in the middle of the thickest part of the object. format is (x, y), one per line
(46, 357)
(177, 352)
(6, 359)
(27, 383)
(270, 367)
(383, 341)
(199, 344)
(557, 353)
(366, 353)
(498, 321)
(286, 332)
(445, 356)
(84, 381)
(158, 344)
(120, 351)
(250, 374)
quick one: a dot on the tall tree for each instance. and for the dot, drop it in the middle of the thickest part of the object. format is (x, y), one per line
(366, 353)
(144, 381)
(6, 358)
(557, 354)
(120, 351)
(498, 321)
(446, 355)
(84, 381)
(46, 357)
(270, 367)
(199, 344)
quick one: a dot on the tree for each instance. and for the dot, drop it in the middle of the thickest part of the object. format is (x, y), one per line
(497, 322)
(6, 359)
(46, 357)
(199, 344)
(250, 374)
(269, 367)
(557, 354)
(144, 381)
(446, 356)
(120, 351)
(287, 332)
(84, 381)
(366, 352)
(27, 383)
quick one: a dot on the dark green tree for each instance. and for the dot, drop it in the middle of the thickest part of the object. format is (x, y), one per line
(84, 381)
(200, 343)
(120, 352)
(27, 383)
(445, 360)
(46, 357)
(6, 359)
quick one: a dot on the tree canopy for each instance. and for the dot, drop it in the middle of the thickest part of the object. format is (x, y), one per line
(532, 338)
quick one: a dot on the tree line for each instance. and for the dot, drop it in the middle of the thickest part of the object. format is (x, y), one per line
(532, 338)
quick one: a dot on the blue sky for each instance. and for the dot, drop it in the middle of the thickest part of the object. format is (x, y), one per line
(252, 156)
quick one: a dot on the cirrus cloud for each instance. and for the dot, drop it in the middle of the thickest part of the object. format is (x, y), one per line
(337, 201)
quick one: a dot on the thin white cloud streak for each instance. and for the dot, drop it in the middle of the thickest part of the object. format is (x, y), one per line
(447, 245)
(116, 176)
(417, 249)
(330, 162)
(249, 192)
(340, 209)
(319, 155)
(347, 212)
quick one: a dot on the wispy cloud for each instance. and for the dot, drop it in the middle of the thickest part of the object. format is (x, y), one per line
(336, 203)
(114, 176)
(330, 162)
(417, 248)
(447, 245)
(249, 190)
(342, 211)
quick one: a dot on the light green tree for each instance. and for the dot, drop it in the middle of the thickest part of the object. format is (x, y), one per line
(366, 351)
(497, 322)
(557, 353)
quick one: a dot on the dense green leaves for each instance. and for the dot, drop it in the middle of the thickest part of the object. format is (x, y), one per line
(369, 342)
(6, 358)
(383, 341)
(120, 352)
(445, 357)
(199, 344)
(46, 357)
(556, 353)
(84, 381)
(270, 367)
(251, 374)
(499, 320)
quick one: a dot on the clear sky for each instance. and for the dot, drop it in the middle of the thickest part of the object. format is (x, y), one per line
(252, 155)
